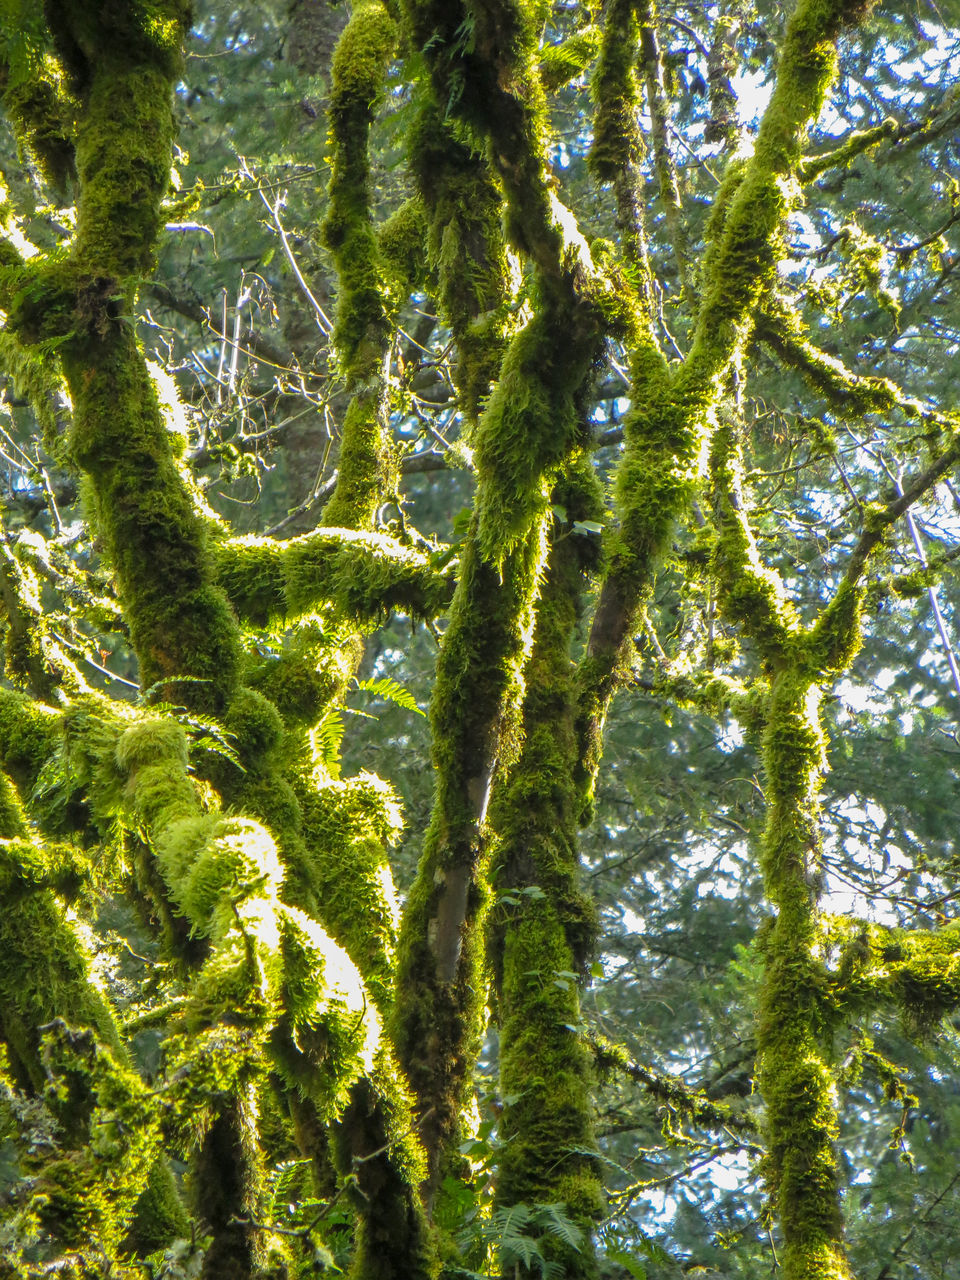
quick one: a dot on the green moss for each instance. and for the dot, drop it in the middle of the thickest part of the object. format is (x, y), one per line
(347, 828)
(465, 245)
(363, 575)
(366, 465)
(376, 1146)
(402, 243)
(531, 425)
(616, 141)
(111, 1123)
(37, 101)
(561, 63)
(543, 925)
(180, 622)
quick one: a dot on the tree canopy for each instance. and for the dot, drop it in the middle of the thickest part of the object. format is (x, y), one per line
(478, 718)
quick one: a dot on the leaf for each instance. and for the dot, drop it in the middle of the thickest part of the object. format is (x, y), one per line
(390, 691)
(631, 1264)
(327, 737)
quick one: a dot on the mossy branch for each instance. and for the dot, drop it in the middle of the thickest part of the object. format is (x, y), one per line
(849, 394)
(669, 420)
(363, 575)
(617, 149)
(362, 331)
(918, 970)
(752, 594)
(855, 144)
(658, 106)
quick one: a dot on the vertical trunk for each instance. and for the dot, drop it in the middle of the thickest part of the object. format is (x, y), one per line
(796, 1075)
(544, 925)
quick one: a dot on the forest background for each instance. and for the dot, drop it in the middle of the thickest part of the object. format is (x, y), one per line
(504, 332)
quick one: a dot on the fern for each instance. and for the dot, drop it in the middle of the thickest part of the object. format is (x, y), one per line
(390, 691)
(514, 1236)
(327, 737)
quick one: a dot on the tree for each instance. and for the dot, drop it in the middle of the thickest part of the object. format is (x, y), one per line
(303, 1055)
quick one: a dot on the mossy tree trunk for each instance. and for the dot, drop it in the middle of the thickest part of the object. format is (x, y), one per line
(543, 924)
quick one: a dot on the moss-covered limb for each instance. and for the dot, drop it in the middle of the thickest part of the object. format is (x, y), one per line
(658, 105)
(849, 394)
(402, 241)
(108, 1124)
(680, 1098)
(856, 142)
(379, 1153)
(796, 1078)
(364, 575)
(752, 594)
(669, 419)
(917, 970)
(122, 70)
(464, 209)
(274, 978)
(180, 621)
(829, 629)
(347, 827)
(724, 125)
(362, 332)
(713, 692)
(32, 654)
(34, 95)
(543, 924)
(441, 978)
(533, 423)
(29, 736)
(546, 1065)
(45, 977)
(45, 971)
(493, 86)
(618, 147)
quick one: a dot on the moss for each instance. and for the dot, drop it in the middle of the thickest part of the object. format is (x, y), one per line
(348, 827)
(307, 674)
(363, 575)
(561, 63)
(36, 99)
(545, 1065)
(401, 241)
(376, 1147)
(531, 425)
(180, 622)
(616, 92)
(543, 924)
(366, 466)
(110, 1121)
(464, 209)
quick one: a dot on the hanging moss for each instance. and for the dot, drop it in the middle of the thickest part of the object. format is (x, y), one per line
(34, 95)
(532, 423)
(401, 241)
